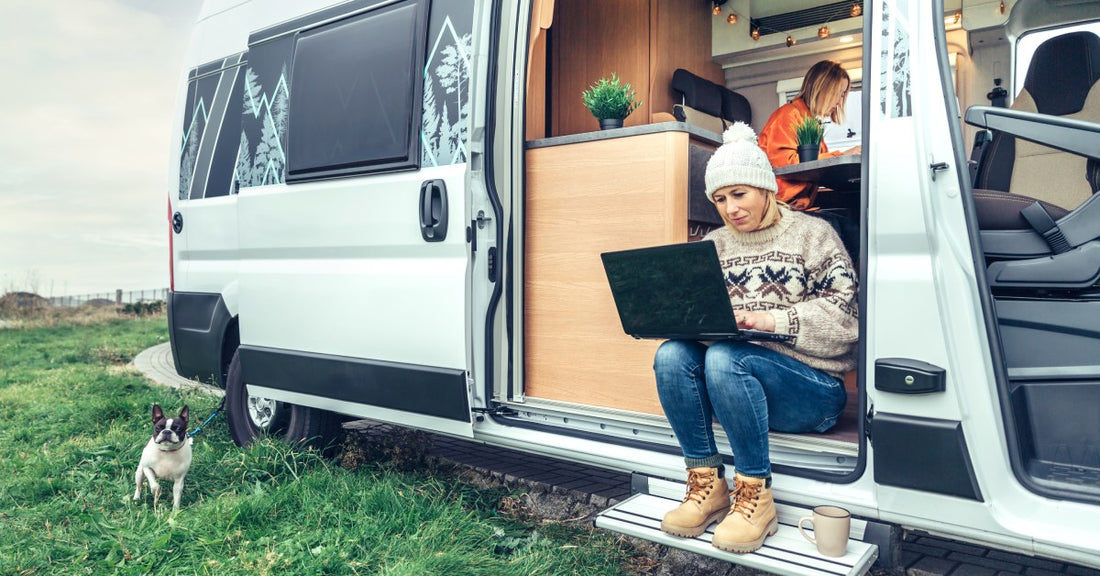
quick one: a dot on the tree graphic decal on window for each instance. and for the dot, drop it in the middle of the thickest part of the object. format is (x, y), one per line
(264, 164)
(447, 88)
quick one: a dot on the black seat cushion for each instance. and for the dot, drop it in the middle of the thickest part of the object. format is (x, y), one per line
(1001, 210)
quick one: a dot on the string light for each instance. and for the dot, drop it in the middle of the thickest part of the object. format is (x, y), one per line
(717, 10)
(823, 32)
(732, 18)
(755, 33)
(857, 9)
(791, 41)
(1002, 7)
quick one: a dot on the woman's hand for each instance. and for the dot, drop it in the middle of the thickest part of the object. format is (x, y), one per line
(762, 321)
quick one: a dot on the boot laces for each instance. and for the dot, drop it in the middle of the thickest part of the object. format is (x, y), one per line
(699, 485)
(746, 496)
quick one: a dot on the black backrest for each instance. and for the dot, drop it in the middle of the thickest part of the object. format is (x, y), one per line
(1062, 72)
(706, 96)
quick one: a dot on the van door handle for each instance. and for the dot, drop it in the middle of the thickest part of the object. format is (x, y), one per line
(433, 210)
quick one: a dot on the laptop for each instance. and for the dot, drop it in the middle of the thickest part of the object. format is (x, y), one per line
(675, 292)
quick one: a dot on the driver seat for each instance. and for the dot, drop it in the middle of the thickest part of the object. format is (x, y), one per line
(1015, 173)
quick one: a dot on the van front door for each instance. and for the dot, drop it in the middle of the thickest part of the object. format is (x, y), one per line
(354, 257)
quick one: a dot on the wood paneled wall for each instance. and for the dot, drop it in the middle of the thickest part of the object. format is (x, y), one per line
(642, 41)
(590, 40)
(681, 39)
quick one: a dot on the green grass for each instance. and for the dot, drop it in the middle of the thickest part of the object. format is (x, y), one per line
(74, 418)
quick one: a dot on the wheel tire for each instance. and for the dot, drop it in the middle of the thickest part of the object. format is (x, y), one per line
(250, 417)
(314, 428)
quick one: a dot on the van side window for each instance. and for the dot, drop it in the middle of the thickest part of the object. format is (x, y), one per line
(211, 130)
(357, 94)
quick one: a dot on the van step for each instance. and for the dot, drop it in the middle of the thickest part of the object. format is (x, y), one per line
(784, 553)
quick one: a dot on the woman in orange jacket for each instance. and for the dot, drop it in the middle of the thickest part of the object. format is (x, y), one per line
(824, 93)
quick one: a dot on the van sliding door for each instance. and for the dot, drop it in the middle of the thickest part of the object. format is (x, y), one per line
(354, 253)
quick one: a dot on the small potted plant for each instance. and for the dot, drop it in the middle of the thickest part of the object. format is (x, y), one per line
(808, 132)
(610, 101)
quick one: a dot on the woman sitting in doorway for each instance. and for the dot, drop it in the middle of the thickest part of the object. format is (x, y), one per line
(824, 94)
(786, 272)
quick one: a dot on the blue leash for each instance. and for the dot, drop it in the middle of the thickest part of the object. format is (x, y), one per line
(192, 433)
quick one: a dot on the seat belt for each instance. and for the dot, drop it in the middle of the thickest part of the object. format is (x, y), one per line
(1041, 222)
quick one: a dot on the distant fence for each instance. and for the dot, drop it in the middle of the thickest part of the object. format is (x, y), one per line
(117, 297)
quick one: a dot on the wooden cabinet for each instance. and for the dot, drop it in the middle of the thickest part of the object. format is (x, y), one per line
(594, 194)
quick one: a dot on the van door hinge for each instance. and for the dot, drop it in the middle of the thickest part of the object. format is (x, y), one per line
(870, 416)
(497, 410)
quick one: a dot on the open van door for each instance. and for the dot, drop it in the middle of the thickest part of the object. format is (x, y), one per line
(353, 246)
(927, 356)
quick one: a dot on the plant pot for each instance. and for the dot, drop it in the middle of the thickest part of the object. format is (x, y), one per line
(609, 123)
(808, 152)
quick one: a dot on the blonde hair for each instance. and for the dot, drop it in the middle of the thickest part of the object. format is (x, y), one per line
(772, 214)
(822, 79)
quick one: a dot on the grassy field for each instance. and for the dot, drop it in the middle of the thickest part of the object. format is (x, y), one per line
(74, 418)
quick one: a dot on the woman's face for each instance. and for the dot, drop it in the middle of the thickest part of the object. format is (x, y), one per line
(835, 97)
(741, 206)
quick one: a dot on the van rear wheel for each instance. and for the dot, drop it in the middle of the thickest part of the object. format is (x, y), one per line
(315, 428)
(250, 417)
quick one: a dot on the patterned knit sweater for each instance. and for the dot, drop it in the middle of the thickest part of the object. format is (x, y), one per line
(798, 271)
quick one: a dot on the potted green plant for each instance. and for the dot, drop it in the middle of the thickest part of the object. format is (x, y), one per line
(610, 101)
(808, 132)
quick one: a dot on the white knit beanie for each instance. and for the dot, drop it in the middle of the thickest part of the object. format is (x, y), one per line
(739, 161)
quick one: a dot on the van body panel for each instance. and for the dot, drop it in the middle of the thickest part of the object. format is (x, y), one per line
(352, 264)
(197, 323)
(436, 392)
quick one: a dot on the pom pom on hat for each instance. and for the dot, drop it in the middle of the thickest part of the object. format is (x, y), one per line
(738, 131)
(739, 160)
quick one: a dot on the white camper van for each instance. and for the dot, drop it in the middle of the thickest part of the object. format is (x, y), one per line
(395, 210)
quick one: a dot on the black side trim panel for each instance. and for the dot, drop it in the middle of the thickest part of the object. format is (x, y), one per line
(439, 392)
(196, 327)
(923, 454)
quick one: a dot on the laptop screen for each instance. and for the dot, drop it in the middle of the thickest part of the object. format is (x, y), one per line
(674, 289)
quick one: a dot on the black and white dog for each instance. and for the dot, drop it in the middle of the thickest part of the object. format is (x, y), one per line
(167, 455)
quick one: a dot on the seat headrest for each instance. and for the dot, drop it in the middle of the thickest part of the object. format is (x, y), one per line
(699, 93)
(735, 107)
(1062, 72)
(714, 99)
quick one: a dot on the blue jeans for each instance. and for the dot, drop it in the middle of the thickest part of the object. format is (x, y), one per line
(750, 389)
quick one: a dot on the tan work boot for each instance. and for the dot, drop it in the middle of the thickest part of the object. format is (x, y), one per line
(707, 500)
(751, 519)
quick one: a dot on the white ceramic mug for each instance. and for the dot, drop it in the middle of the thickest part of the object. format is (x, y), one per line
(831, 525)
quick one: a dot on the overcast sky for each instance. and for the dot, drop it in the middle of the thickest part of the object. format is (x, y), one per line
(89, 99)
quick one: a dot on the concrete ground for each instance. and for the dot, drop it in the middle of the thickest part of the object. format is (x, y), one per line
(567, 491)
